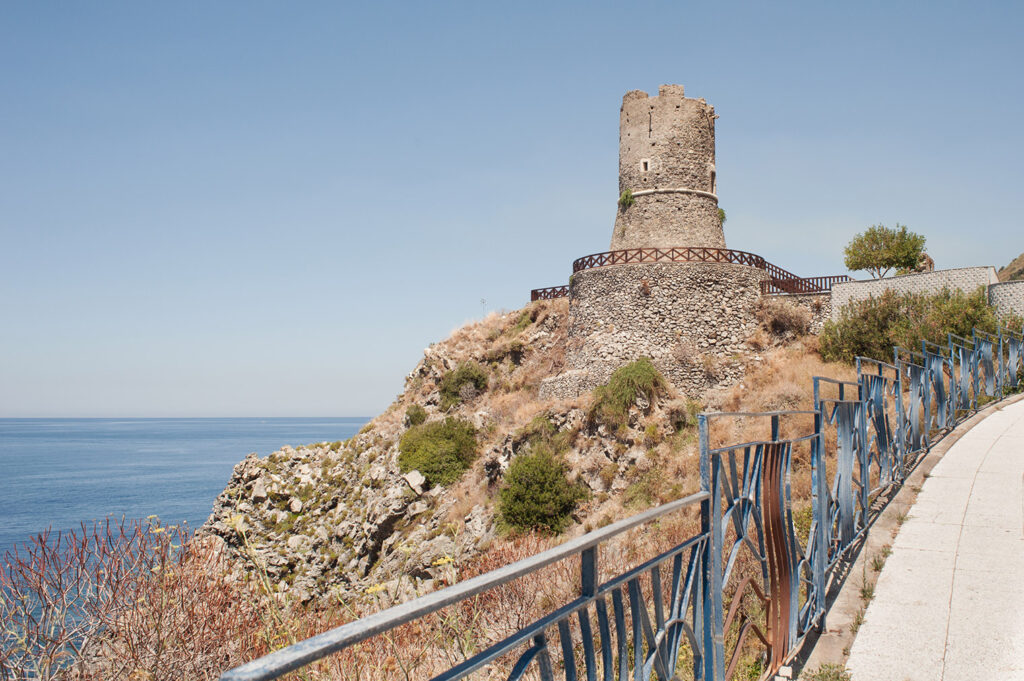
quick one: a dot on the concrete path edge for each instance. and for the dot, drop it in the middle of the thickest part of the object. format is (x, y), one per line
(832, 644)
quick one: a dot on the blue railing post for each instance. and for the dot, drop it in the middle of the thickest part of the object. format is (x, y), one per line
(954, 389)
(860, 424)
(819, 511)
(711, 526)
(901, 418)
(975, 372)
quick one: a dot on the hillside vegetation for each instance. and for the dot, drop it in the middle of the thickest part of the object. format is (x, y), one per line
(1014, 271)
(874, 326)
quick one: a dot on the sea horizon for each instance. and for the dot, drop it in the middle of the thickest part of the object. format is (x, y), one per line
(61, 471)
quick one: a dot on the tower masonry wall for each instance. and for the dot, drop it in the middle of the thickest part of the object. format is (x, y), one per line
(691, 319)
(667, 221)
(667, 159)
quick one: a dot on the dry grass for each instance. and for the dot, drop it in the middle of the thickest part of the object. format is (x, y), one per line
(782, 317)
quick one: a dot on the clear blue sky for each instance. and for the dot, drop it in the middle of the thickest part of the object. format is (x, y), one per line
(269, 208)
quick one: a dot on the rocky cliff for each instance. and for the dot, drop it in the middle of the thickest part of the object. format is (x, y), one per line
(343, 518)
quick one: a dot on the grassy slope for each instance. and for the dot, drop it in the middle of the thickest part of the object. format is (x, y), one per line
(1014, 271)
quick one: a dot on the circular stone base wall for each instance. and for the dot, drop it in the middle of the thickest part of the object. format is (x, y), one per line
(691, 319)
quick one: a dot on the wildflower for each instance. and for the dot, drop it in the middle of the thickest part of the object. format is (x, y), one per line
(443, 561)
(376, 588)
(156, 530)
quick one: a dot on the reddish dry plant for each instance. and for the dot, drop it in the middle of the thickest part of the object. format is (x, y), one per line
(123, 600)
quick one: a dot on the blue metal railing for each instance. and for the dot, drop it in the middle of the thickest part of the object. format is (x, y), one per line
(867, 435)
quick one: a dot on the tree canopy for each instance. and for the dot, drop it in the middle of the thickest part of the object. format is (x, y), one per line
(880, 249)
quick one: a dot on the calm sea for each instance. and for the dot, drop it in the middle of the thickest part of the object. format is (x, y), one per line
(60, 472)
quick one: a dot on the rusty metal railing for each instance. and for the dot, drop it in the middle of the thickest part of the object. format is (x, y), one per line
(681, 254)
(802, 285)
(549, 293)
(779, 281)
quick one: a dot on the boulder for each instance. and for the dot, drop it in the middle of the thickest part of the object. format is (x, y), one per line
(259, 490)
(415, 480)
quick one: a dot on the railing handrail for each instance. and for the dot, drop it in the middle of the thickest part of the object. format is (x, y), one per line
(780, 280)
(549, 293)
(304, 652)
(670, 254)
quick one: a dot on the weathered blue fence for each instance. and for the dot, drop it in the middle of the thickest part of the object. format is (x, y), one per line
(666, 617)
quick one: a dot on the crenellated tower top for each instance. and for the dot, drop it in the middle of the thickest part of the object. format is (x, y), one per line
(667, 162)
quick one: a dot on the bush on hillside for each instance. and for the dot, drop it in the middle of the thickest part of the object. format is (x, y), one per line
(782, 317)
(538, 494)
(627, 383)
(465, 381)
(541, 432)
(415, 415)
(872, 327)
(440, 450)
(682, 413)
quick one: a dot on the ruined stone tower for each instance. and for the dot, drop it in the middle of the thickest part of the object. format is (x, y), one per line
(689, 310)
(667, 161)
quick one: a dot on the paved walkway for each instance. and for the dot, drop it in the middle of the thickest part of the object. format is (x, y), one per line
(949, 603)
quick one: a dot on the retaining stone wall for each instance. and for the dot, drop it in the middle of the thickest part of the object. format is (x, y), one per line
(1007, 297)
(691, 319)
(966, 279)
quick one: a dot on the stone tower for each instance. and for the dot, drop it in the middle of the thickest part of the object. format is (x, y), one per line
(691, 313)
(667, 159)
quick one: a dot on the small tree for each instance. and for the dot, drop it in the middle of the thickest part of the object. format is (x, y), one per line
(880, 249)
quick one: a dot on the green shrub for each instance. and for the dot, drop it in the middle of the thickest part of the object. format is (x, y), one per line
(440, 450)
(872, 327)
(651, 488)
(455, 382)
(538, 494)
(682, 413)
(626, 199)
(526, 318)
(541, 432)
(612, 400)
(415, 414)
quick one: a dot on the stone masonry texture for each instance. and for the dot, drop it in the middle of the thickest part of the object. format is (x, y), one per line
(818, 304)
(691, 319)
(1007, 297)
(966, 279)
(667, 142)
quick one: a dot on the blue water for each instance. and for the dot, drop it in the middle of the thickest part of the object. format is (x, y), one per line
(60, 472)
